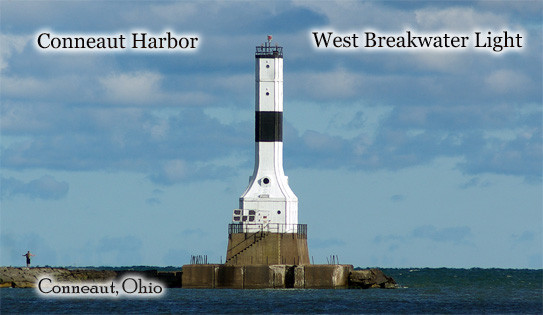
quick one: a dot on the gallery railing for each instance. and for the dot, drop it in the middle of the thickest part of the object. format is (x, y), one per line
(267, 51)
(300, 229)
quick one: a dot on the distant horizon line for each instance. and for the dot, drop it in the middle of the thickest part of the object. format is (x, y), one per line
(180, 267)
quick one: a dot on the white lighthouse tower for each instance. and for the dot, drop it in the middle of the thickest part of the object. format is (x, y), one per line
(265, 229)
(268, 202)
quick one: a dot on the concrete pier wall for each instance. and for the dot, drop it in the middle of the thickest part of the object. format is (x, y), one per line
(322, 276)
(261, 276)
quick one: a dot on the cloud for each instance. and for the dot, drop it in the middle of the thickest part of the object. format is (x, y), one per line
(315, 149)
(173, 171)
(388, 238)
(456, 235)
(473, 182)
(344, 15)
(152, 201)
(189, 144)
(144, 113)
(456, 18)
(256, 18)
(529, 243)
(176, 257)
(177, 171)
(411, 136)
(445, 63)
(11, 44)
(132, 88)
(460, 117)
(521, 12)
(336, 84)
(197, 233)
(318, 243)
(507, 81)
(15, 86)
(46, 188)
(119, 250)
(459, 235)
(526, 236)
(521, 156)
(181, 147)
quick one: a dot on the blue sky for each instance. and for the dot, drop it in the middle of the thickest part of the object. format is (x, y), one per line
(411, 158)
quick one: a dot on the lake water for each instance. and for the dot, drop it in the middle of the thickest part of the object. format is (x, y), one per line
(423, 291)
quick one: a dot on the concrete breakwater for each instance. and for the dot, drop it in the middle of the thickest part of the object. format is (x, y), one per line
(284, 276)
(213, 276)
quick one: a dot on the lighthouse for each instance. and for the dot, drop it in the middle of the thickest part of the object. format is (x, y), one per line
(268, 209)
(268, 199)
(267, 247)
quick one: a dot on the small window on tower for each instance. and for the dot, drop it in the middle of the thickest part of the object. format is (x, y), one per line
(244, 218)
(278, 211)
(266, 180)
(267, 66)
(237, 211)
(251, 218)
(236, 218)
(267, 93)
(252, 212)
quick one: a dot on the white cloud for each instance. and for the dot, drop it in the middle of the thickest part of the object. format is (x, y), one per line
(520, 9)
(337, 84)
(11, 44)
(132, 88)
(158, 129)
(456, 19)
(507, 81)
(175, 170)
(54, 88)
(23, 87)
(174, 12)
(23, 118)
(450, 63)
(147, 88)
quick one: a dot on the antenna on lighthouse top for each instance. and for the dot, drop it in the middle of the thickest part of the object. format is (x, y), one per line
(266, 50)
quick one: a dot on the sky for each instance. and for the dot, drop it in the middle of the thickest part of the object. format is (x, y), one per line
(399, 157)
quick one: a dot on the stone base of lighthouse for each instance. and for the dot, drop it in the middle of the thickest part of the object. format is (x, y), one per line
(268, 248)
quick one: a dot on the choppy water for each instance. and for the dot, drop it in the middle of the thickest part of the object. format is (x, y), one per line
(427, 291)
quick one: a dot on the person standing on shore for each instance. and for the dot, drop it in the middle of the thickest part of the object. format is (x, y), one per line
(28, 255)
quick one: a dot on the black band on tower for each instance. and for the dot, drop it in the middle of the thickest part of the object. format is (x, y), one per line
(269, 127)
